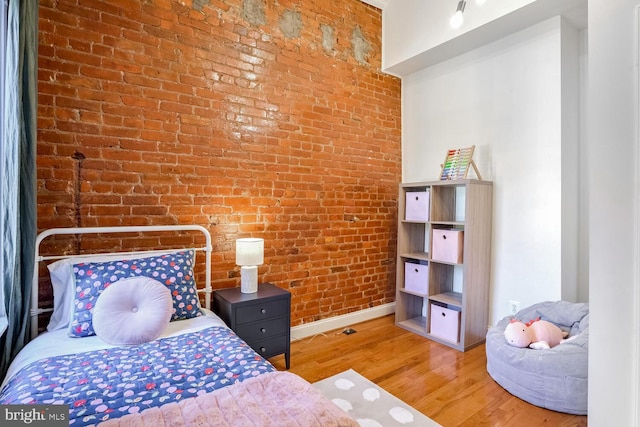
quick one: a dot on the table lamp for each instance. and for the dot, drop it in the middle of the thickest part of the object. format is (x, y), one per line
(249, 255)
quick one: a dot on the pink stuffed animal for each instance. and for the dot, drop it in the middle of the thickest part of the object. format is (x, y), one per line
(537, 334)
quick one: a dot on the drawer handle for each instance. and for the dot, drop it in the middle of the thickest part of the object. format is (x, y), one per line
(263, 310)
(262, 349)
(263, 330)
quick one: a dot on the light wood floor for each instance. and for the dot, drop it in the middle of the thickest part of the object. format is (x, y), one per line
(450, 387)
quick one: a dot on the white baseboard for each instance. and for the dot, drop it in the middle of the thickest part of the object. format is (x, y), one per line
(337, 322)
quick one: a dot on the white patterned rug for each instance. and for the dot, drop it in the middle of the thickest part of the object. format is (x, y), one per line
(369, 404)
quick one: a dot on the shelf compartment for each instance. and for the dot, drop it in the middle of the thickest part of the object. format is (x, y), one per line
(418, 256)
(409, 291)
(414, 237)
(403, 209)
(448, 224)
(416, 277)
(444, 322)
(453, 299)
(410, 314)
(441, 278)
(416, 325)
(447, 203)
(447, 245)
(417, 205)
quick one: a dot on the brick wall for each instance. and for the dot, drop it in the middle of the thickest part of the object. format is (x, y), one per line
(248, 117)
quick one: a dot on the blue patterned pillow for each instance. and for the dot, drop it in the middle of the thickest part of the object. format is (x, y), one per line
(174, 270)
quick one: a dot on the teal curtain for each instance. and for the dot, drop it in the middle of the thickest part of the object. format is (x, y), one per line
(18, 163)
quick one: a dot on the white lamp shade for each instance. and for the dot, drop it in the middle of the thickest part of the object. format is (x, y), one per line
(250, 251)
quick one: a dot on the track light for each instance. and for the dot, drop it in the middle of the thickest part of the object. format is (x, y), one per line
(458, 19)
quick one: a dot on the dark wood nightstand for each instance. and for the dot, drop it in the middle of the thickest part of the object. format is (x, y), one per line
(262, 319)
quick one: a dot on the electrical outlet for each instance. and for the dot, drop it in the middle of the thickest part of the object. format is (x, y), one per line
(514, 307)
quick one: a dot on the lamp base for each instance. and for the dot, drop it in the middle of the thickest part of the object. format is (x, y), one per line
(249, 279)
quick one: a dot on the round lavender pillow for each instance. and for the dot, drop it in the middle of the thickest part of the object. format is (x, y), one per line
(132, 311)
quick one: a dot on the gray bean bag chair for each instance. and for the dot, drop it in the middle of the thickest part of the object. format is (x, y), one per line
(556, 378)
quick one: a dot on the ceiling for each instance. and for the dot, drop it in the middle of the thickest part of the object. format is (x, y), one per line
(576, 15)
(380, 4)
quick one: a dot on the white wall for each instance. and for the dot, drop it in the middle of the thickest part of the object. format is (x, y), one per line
(583, 202)
(571, 220)
(613, 173)
(508, 99)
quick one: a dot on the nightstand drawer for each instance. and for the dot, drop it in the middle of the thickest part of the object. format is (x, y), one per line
(263, 310)
(262, 319)
(271, 347)
(262, 330)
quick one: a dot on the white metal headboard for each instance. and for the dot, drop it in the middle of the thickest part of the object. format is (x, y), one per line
(35, 310)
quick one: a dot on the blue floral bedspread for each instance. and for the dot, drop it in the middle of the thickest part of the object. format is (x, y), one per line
(110, 383)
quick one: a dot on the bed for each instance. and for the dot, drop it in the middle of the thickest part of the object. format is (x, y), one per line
(128, 343)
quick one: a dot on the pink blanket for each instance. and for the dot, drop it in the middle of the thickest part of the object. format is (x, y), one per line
(279, 399)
